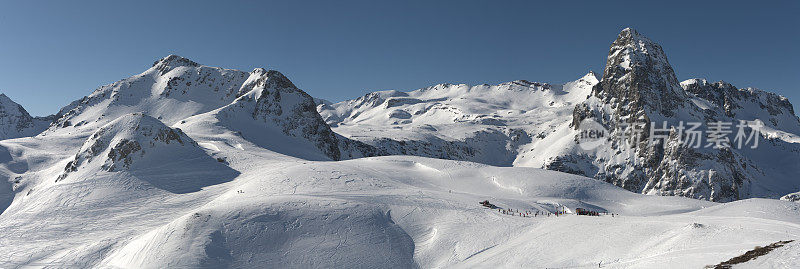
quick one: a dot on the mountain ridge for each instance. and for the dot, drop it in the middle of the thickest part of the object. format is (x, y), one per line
(186, 165)
(638, 87)
(175, 88)
(517, 123)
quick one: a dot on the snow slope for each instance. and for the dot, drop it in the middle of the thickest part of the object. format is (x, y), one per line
(379, 211)
(483, 123)
(194, 166)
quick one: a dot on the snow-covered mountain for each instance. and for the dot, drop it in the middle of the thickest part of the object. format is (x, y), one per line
(174, 88)
(16, 122)
(489, 124)
(190, 166)
(639, 87)
(261, 105)
(272, 113)
(537, 124)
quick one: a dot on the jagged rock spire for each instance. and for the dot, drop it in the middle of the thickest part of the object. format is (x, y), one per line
(639, 77)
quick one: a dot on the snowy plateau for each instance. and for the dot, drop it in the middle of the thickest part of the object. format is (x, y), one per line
(192, 166)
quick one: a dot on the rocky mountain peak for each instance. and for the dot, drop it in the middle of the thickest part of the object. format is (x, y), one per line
(262, 78)
(259, 70)
(639, 78)
(631, 33)
(175, 60)
(270, 97)
(9, 107)
(639, 87)
(16, 122)
(172, 61)
(277, 79)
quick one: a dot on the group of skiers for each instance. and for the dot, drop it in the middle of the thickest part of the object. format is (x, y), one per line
(528, 214)
(581, 211)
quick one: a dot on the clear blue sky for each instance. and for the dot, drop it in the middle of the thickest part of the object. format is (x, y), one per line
(53, 52)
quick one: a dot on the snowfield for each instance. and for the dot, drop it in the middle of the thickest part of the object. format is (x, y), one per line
(394, 211)
(190, 166)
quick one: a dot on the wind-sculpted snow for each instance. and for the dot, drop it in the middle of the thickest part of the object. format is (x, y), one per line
(273, 233)
(382, 211)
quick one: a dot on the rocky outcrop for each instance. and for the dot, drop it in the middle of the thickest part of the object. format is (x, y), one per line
(139, 151)
(792, 197)
(117, 145)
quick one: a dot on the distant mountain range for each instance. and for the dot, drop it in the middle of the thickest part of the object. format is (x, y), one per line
(190, 166)
(530, 124)
(519, 123)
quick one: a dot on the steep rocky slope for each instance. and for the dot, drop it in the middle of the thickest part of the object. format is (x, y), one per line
(272, 113)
